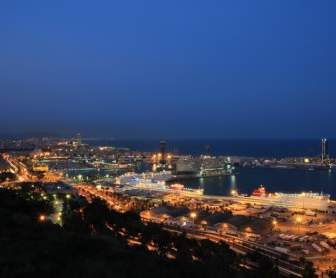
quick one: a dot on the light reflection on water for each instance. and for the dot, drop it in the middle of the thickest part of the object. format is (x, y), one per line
(246, 180)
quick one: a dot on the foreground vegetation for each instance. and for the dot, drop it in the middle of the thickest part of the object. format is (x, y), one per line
(97, 242)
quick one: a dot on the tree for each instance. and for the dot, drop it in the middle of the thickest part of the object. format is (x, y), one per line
(308, 269)
(331, 273)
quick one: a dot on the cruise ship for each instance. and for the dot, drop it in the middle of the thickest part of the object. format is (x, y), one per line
(205, 166)
(304, 200)
(154, 181)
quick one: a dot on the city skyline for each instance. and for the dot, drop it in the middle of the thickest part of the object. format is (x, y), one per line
(168, 138)
(173, 70)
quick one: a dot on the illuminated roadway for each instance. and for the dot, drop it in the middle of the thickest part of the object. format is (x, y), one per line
(237, 243)
(238, 199)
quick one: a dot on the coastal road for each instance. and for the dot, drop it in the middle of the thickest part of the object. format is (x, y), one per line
(291, 203)
(287, 264)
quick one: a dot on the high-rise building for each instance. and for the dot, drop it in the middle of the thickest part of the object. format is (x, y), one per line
(78, 139)
(325, 150)
(162, 160)
(207, 150)
(163, 145)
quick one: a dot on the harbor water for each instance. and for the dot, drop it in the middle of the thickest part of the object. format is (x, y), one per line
(245, 180)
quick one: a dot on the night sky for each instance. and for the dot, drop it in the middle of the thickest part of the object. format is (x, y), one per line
(173, 69)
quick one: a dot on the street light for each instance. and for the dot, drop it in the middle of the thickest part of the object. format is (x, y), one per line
(248, 230)
(274, 223)
(204, 224)
(233, 192)
(42, 218)
(298, 221)
(193, 216)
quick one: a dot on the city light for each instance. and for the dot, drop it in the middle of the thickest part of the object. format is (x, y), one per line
(274, 224)
(42, 218)
(193, 216)
(248, 230)
(233, 192)
(298, 221)
(151, 191)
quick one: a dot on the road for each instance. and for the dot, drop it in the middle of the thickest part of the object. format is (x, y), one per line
(291, 203)
(288, 264)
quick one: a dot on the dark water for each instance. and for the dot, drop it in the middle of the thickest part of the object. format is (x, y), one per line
(247, 179)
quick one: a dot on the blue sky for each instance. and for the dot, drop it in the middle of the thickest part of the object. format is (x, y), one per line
(152, 69)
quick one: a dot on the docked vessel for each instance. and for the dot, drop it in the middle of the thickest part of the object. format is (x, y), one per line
(152, 177)
(176, 186)
(259, 192)
(153, 181)
(304, 200)
(204, 166)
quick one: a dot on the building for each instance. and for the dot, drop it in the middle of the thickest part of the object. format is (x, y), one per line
(325, 150)
(5, 167)
(40, 168)
(163, 145)
(162, 159)
(77, 140)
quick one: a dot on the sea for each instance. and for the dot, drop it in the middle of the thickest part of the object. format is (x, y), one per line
(245, 180)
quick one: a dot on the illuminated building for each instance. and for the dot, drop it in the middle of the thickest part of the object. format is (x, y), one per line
(325, 150)
(5, 167)
(78, 139)
(162, 154)
(40, 168)
(162, 160)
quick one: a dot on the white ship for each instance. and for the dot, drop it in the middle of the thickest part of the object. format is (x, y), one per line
(204, 166)
(133, 179)
(154, 181)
